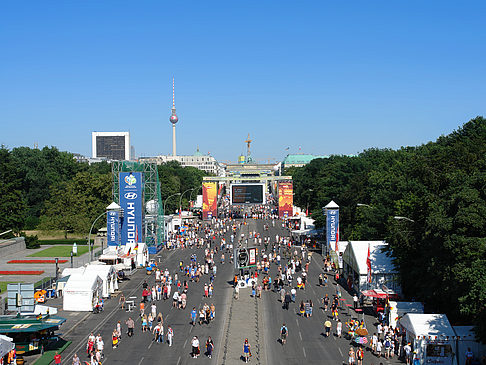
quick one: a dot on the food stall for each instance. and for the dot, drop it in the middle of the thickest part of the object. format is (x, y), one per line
(30, 332)
(380, 297)
(431, 337)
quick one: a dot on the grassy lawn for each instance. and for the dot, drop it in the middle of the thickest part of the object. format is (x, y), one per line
(60, 251)
(3, 285)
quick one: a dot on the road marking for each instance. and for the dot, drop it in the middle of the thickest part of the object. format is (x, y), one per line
(300, 335)
(151, 343)
(340, 351)
(178, 360)
(140, 361)
(185, 343)
(303, 349)
(296, 320)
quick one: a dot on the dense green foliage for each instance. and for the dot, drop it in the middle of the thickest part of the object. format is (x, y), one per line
(441, 186)
(177, 179)
(47, 189)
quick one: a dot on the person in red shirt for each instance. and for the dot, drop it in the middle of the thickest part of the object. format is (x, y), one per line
(57, 358)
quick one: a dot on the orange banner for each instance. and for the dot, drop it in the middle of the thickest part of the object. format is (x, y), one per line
(285, 199)
(210, 200)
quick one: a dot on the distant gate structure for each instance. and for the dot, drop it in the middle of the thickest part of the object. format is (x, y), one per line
(153, 220)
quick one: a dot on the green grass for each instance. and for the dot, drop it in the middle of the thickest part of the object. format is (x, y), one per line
(49, 354)
(60, 251)
(3, 285)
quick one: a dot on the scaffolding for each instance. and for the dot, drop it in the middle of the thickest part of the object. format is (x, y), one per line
(152, 201)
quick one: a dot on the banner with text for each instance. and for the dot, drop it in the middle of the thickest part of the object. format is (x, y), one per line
(332, 225)
(285, 199)
(113, 228)
(131, 203)
(210, 200)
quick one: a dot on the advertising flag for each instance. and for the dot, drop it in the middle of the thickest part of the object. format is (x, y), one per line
(285, 199)
(332, 225)
(113, 228)
(131, 203)
(368, 264)
(210, 200)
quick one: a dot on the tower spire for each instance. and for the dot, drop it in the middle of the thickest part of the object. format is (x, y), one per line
(173, 93)
(173, 119)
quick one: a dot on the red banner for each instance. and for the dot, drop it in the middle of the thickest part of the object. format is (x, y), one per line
(210, 200)
(285, 199)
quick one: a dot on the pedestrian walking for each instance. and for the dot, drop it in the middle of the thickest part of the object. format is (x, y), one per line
(130, 326)
(246, 350)
(76, 360)
(327, 327)
(339, 328)
(209, 347)
(195, 347)
(57, 358)
(114, 339)
(170, 335)
(351, 356)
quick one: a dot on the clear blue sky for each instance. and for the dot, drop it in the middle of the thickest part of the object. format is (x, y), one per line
(332, 77)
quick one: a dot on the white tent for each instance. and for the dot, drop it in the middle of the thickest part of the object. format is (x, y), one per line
(466, 338)
(432, 337)
(6, 345)
(70, 270)
(399, 309)
(82, 292)
(107, 273)
(382, 267)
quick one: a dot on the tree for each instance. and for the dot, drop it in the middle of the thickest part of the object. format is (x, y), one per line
(11, 203)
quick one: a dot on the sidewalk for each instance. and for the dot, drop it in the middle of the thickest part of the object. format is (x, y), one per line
(244, 320)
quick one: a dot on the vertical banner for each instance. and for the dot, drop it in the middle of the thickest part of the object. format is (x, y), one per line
(332, 225)
(285, 199)
(210, 200)
(113, 228)
(131, 203)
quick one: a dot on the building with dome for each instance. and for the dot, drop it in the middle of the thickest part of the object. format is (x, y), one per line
(198, 160)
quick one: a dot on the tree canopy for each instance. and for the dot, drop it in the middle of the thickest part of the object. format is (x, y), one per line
(441, 188)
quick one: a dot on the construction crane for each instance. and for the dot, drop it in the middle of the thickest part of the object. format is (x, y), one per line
(248, 143)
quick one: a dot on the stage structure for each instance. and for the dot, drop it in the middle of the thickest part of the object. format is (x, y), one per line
(152, 215)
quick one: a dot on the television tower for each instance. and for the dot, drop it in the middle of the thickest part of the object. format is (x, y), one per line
(173, 119)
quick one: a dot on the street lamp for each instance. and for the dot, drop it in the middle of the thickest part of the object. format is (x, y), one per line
(363, 205)
(399, 218)
(195, 189)
(112, 207)
(180, 199)
(170, 196)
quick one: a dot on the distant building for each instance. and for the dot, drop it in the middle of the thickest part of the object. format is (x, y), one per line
(198, 160)
(111, 145)
(299, 160)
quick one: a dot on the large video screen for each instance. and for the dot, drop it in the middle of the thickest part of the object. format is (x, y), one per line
(247, 194)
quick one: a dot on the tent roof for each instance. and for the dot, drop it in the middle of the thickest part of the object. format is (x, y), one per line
(407, 307)
(86, 281)
(427, 324)
(29, 323)
(100, 269)
(70, 270)
(113, 206)
(380, 262)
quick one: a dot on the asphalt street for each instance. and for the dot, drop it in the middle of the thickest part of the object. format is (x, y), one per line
(306, 342)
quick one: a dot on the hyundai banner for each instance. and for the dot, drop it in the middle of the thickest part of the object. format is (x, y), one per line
(113, 228)
(131, 203)
(332, 224)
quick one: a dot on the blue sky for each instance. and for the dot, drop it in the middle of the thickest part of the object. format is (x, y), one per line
(330, 77)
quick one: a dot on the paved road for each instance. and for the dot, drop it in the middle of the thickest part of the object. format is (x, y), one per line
(305, 344)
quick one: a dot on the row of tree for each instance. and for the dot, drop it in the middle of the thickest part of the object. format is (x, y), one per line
(440, 188)
(48, 189)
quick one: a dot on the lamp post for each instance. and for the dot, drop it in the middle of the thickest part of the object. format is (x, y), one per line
(180, 199)
(195, 189)
(112, 207)
(170, 196)
(399, 218)
(363, 205)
